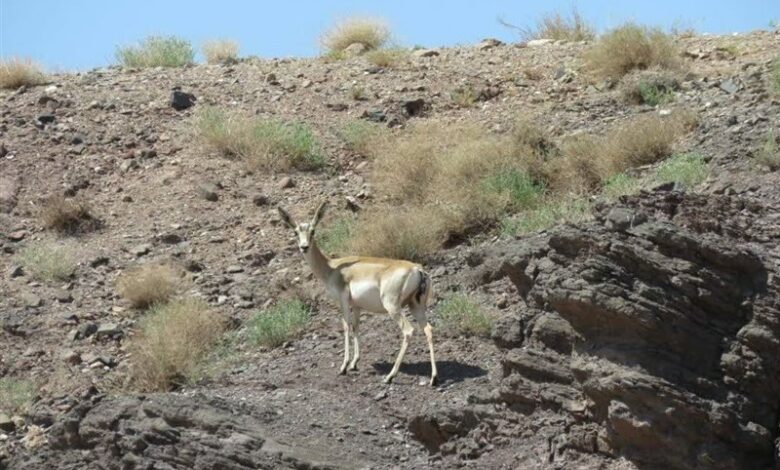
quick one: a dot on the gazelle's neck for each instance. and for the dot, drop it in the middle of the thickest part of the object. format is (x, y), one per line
(318, 262)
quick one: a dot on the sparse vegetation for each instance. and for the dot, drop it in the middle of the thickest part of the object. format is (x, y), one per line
(362, 137)
(687, 169)
(652, 87)
(47, 261)
(464, 96)
(358, 93)
(551, 212)
(561, 28)
(372, 33)
(398, 232)
(15, 72)
(15, 395)
(769, 153)
(334, 237)
(386, 58)
(631, 47)
(621, 184)
(171, 341)
(67, 215)
(774, 76)
(220, 51)
(262, 143)
(148, 285)
(459, 314)
(279, 324)
(157, 51)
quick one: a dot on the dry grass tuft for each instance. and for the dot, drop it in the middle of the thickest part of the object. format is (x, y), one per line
(17, 72)
(47, 261)
(372, 33)
(170, 343)
(262, 143)
(461, 315)
(220, 51)
(16, 396)
(67, 215)
(769, 153)
(363, 137)
(652, 87)
(631, 47)
(148, 285)
(398, 232)
(561, 28)
(157, 51)
(774, 76)
(386, 58)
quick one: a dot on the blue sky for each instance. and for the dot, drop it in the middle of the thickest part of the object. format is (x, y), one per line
(81, 34)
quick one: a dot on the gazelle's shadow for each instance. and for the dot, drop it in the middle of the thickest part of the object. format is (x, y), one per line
(449, 371)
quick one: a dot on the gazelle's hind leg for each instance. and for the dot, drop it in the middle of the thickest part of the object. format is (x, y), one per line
(345, 322)
(355, 343)
(418, 311)
(406, 332)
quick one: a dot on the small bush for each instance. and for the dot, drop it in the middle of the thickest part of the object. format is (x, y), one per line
(171, 341)
(520, 190)
(358, 93)
(362, 137)
(398, 232)
(461, 315)
(47, 261)
(560, 28)
(149, 284)
(265, 144)
(15, 73)
(220, 51)
(16, 396)
(67, 215)
(774, 76)
(649, 87)
(687, 169)
(372, 33)
(334, 237)
(386, 58)
(631, 47)
(281, 323)
(465, 96)
(619, 185)
(769, 153)
(157, 51)
(546, 215)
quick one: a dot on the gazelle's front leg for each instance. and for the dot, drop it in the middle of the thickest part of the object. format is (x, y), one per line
(355, 324)
(345, 322)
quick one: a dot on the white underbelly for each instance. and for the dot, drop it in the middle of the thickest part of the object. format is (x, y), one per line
(365, 296)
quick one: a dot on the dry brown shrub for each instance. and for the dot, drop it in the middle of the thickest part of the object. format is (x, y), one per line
(220, 51)
(631, 47)
(560, 28)
(148, 285)
(171, 341)
(372, 33)
(16, 72)
(67, 215)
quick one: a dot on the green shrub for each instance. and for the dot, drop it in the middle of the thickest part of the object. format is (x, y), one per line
(546, 215)
(171, 341)
(265, 144)
(459, 314)
(517, 186)
(280, 323)
(47, 261)
(362, 137)
(687, 169)
(16, 395)
(631, 47)
(465, 96)
(619, 185)
(157, 51)
(774, 76)
(769, 153)
(334, 237)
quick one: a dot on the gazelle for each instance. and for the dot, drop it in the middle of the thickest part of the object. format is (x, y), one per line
(378, 285)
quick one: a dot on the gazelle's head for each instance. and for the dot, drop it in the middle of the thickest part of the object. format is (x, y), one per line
(305, 231)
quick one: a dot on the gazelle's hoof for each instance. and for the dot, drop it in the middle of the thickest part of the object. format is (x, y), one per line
(343, 370)
(352, 367)
(388, 379)
(434, 381)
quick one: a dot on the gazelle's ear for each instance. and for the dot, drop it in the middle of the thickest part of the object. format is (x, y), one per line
(319, 213)
(286, 218)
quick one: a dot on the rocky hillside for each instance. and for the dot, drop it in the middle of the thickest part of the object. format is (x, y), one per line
(647, 337)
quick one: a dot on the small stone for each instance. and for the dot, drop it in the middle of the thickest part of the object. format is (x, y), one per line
(108, 330)
(235, 269)
(181, 100)
(86, 330)
(141, 250)
(70, 356)
(127, 165)
(732, 120)
(539, 42)
(271, 79)
(286, 182)
(208, 191)
(354, 50)
(489, 43)
(99, 260)
(374, 116)
(244, 304)
(425, 53)
(352, 204)
(15, 271)
(381, 395)
(413, 107)
(3, 150)
(729, 86)
(260, 200)
(44, 119)
(31, 300)
(63, 296)
(17, 235)
(6, 423)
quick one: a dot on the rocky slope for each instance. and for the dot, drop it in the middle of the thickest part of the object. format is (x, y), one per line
(647, 338)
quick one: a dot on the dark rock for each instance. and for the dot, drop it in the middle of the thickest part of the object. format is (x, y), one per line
(337, 106)
(15, 271)
(108, 330)
(44, 119)
(98, 261)
(425, 53)
(181, 100)
(3, 150)
(6, 423)
(374, 116)
(141, 250)
(260, 200)
(170, 238)
(87, 329)
(209, 191)
(70, 356)
(413, 107)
